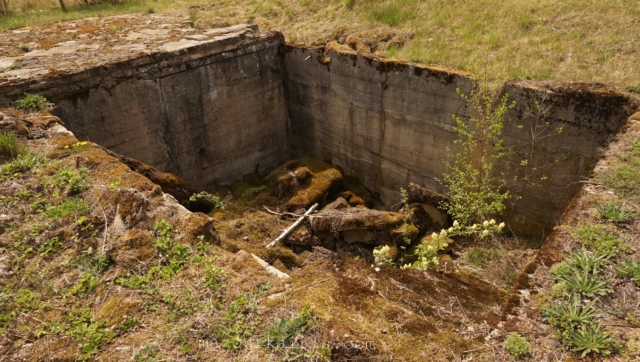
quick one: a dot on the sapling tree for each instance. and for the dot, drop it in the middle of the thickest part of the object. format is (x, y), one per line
(475, 192)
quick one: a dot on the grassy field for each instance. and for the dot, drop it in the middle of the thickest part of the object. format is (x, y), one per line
(590, 41)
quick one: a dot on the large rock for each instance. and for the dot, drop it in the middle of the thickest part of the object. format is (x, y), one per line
(360, 225)
(133, 250)
(196, 227)
(305, 182)
(416, 193)
(124, 206)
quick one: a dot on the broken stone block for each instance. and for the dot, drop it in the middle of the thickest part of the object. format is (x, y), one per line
(417, 193)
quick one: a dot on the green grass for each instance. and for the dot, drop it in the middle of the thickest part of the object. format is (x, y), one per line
(538, 39)
(393, 13)
(72, 206)
(8, 145)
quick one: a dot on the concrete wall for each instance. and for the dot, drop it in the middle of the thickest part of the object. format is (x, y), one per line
(213, 112)
(209, 114)
(390, 123)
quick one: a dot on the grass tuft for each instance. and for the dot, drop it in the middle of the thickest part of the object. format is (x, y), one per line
(8, 145)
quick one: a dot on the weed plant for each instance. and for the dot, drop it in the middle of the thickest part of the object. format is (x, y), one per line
(517, 345)
(8, 145)
(615, 212)
(33, 102)
(591, 338)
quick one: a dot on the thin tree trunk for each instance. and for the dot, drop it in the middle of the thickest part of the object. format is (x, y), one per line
(64, 8)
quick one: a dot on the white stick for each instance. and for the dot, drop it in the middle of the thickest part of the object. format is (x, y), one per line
(293, 226)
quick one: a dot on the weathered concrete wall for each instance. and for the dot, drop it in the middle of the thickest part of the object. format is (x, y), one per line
(209, 120)
(209, 113)
(387, 122)
(214, 109)
(390, 123)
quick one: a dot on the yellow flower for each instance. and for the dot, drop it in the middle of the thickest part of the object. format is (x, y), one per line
(455, 223)
(501, 225)
(485, 233)
(66, 147)
(485, 224)
(492, 222)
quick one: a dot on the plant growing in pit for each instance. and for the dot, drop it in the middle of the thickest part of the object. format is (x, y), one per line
(33, 102)
(475, 193)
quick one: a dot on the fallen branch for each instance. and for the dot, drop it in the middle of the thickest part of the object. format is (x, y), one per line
(288, 230)
(281, 213)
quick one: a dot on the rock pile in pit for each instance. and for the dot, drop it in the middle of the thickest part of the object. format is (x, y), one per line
(350, 220)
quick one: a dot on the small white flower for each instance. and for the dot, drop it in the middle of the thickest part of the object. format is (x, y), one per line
(450, 230)
(501, 225)
(485, 233)
(456, 224)
(492, 222)
(435, 260)
(429, 248)
(485, 224)
(474, 226)
(443, 233)
(434, 235)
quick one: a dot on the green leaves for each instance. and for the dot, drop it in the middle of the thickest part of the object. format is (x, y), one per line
(590, 338)
(475, 193)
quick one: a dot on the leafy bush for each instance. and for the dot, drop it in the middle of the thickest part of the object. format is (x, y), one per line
(475, 194)
(32, 101)
(517, 345)
(8, 145)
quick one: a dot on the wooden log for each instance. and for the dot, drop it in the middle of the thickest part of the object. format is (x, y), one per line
(293, 226)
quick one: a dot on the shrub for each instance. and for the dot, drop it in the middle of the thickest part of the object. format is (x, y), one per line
(517, 345)
(475, 194)
(32, 101)
(8, 145)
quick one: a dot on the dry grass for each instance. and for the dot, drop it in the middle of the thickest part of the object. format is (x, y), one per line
(542, 39)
